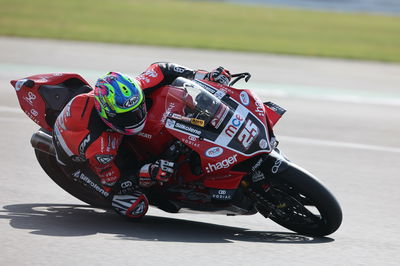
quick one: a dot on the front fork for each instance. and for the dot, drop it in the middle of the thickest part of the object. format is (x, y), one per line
(257, 184)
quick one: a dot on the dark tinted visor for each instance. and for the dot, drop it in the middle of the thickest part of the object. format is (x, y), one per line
(130, 119)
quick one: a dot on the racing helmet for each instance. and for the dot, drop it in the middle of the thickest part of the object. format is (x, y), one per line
(120, 102)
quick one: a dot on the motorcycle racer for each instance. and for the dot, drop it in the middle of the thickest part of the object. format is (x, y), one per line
(89, 130)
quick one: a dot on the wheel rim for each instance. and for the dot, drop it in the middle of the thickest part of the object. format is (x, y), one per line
(290, 210)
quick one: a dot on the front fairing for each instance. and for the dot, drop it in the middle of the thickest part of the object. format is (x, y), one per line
(224, 132)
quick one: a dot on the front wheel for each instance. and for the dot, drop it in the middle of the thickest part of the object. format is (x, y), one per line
(298, 201)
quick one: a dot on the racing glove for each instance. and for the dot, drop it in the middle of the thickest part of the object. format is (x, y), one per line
(158, 172)
(219, 75)
(133, 205)
(128, 200)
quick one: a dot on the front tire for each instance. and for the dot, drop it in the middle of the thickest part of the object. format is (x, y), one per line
(298, 201)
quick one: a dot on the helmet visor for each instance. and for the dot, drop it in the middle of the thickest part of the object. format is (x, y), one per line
(130, 119)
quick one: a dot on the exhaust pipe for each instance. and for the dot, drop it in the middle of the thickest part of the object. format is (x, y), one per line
(43, 141)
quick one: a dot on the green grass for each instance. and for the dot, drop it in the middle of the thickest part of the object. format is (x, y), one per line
(207, 25)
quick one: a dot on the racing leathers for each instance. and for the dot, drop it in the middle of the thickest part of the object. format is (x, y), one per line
(87, 147)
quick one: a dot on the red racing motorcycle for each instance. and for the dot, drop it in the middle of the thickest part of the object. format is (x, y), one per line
(221, 140)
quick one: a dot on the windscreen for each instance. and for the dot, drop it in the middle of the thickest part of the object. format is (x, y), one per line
(197, 103)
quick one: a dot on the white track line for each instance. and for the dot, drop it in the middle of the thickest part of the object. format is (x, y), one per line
(350, 145)
(11, 109)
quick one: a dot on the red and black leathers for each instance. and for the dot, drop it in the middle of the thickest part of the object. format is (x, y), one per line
(81, 137)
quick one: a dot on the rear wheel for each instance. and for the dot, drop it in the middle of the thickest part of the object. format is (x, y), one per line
(76, 189)
(298, 201)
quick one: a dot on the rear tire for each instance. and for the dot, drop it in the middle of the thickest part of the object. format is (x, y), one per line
(76, 189)
(301, 203)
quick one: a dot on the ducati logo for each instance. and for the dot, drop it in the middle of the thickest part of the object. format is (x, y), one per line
(104, 159)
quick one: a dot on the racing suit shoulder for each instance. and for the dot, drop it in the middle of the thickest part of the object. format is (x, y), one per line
(76, 114)
(71, 127)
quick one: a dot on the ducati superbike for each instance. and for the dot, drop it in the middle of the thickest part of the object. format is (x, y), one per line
(221, 140)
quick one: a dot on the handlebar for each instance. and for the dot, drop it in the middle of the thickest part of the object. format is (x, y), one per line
(239, 76)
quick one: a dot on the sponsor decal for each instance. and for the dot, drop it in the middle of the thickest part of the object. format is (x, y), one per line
(81, 176)
(259, 108)
(179, 69)
(234, 125)
(193, 121)
(147, 75)
(109, 178)
(19, 84)
(276, 108)
(219, 94)
(191, 142)
(206, 87)
(102, 145)
(257, 176)
(131, 101)
(78, 159)
(214, 152)
(83, 145)
(104, 159)
(66, 112)
(244, 98)
(60, 124)
(197, 122)
(112, 143)
(32, 117)
(34, 112)
(30, 98)
(145, 135)
(222, 164)
(224, 88)
(68, 109)
(275, 167)
(57, 74)
(219, 116)
(126, 184)
(170, 123)
(222, 194)
(187, 128)
(167, 112)
(258, 164)
(248, 134)
(263, 144)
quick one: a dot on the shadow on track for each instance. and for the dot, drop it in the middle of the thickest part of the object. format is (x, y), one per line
(79, 220)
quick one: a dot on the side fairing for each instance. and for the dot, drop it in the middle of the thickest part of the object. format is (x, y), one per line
(241, 134)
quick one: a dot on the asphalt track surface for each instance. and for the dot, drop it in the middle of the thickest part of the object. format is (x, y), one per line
(342, 125)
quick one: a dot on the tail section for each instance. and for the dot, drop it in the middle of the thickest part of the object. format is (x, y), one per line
(42, 97)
